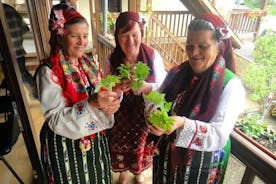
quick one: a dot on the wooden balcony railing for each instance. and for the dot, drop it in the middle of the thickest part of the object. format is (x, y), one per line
(257, 162)
(245, 27)
(169, 47)
(105, 48)
(177, 22)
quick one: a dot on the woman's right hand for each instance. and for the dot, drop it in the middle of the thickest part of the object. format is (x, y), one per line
(125, 85)
(108, 102)
(178, 123)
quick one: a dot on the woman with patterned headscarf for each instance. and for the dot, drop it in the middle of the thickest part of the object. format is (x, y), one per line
(130, 149)
(74, 147)
(207, 100)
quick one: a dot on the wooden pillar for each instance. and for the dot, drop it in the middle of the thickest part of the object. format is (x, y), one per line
(248, 177)
(132, 5)
(39, 20)
(259, 21)
(93, 23)
(14, 81)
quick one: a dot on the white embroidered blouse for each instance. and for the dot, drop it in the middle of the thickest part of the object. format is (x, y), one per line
(213, 135)
(74, 122)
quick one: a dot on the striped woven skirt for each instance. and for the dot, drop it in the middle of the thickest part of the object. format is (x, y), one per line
(175, 165)
(63, 161)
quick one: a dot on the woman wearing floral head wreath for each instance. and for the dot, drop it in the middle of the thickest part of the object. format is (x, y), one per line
(74, 147)
(207, 100)
(129, 146)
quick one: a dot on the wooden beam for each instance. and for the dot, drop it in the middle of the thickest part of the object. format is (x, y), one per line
(39, 20)
(132, 5)
(14, 80)
(197, 7)
(93, 22)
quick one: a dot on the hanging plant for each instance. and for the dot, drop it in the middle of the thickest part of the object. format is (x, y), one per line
(255, 13)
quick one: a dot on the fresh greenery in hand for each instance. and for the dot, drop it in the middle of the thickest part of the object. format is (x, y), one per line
(107, 83)
(136, 74)
(159, 115)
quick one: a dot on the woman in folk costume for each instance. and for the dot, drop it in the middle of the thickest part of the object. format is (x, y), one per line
(130, 149)
(207, 100)
(74, 147)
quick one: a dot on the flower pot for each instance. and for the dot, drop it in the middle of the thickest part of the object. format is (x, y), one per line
(254, 142)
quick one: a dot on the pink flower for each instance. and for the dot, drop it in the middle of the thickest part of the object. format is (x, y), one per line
(58, 24)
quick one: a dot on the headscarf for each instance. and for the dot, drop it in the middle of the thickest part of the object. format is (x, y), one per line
(224, 33)
(70, 80)
(146, 53)
(197, 96)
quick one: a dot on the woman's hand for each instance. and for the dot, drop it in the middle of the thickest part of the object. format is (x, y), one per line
(179, 122)
(125, 85)
(108, 102)
(145, 89)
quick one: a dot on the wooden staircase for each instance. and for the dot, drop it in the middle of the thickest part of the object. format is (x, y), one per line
(168, 45)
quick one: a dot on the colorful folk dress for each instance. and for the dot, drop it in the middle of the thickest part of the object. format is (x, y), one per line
(74, 145)
(184, 156)
(131, 146)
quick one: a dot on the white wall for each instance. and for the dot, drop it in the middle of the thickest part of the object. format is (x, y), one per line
(167, 5)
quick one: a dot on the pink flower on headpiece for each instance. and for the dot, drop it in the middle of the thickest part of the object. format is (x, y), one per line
(224, 32)
(58, 24)
(142, 21)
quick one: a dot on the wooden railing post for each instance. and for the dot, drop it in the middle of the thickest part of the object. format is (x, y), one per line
(248, 176)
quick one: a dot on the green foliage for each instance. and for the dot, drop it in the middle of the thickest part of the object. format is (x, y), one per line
(159, 115)
(137, 77)
(260, 77)
(254, 128)
(271, 10)
(136, 74)
(265, 50)
(110, 21)
(255, 4)
(107, 83)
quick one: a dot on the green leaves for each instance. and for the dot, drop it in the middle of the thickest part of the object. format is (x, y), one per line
(107, 83)
(136, 74)
(259, 77)
(255, 128)
(125, 71)
(159, 115)
(160, 119)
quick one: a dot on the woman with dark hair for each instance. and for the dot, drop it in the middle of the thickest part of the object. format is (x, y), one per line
(74, 146)
(129, 146)
(207, 100)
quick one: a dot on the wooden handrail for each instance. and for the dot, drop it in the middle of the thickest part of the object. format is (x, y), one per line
(169, 47)
(165, 29)
(257, 162)
(106, 42)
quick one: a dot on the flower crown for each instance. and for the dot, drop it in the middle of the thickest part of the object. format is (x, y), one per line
(58, 23)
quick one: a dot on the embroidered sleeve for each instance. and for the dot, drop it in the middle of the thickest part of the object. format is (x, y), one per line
(72, 122)
(210, 136)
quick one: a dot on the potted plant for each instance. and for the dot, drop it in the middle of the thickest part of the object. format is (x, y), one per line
(252, 127)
